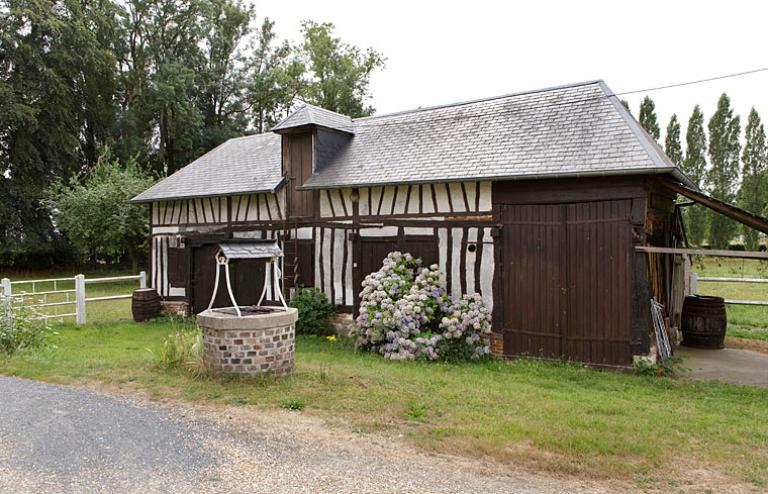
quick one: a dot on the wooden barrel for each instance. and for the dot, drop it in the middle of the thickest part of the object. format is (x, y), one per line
(145, 304)
(704, 321)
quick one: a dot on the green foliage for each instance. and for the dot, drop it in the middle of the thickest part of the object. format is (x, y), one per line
(277, 78)
(753, 194)
(724, 150)
(314, 312)
(295, 405)
(648, 118)
(57, 86)
(339, 73)
(182, 348)
(19, 327)
(95, 214)
(161, 81)
(694, 166)
(672, 147)
(668, 367)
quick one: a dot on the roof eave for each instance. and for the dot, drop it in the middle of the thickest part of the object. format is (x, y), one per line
(272, 190)
(674, 171)
(305, 127)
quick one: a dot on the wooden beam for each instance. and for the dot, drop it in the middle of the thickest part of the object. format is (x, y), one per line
(742, 216)
(702, 252)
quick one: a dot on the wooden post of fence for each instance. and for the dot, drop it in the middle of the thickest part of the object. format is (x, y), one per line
(695, 283)
(143, 280)
(80, 299)
(6, 284)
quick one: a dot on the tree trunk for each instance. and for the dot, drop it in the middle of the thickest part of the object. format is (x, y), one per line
(134, 263)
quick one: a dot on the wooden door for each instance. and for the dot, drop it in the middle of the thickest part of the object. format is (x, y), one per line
(566, 281)
(424, 247)
(533, 274)
(246, 276)
(599, 282)
(373, 251)
(203, 277)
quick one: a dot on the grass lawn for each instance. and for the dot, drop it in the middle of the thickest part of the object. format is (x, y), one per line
(547, 416)
(744, 321)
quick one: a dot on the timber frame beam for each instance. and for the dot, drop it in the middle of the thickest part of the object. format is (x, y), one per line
(702, 252)
(742, 216)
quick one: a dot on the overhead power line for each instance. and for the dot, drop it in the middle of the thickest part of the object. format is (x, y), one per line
(523, 109)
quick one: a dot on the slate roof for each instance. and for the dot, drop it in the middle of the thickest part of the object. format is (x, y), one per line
(314, 115)
(242, 165)
(567, 131)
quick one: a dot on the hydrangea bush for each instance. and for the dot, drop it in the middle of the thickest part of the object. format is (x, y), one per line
(407, 314)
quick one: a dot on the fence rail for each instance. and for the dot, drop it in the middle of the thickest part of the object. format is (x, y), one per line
(712, 279)
(80, 300)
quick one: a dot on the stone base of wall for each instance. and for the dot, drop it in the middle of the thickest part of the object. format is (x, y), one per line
(343, 324)
(249, 345)
(174, 307)
(497, 344)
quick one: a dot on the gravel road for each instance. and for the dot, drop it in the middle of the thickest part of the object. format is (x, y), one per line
(59, 439)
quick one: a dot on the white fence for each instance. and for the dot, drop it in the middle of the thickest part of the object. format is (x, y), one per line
(695, 279)
(72, 297)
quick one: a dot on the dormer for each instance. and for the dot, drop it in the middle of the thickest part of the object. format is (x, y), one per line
(311, 137)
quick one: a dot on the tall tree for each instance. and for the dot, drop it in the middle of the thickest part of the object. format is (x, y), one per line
(648, 118)
(57, 104)
(694, 166)
(339, 73)
(277, 78)
(672, 146)
(753, 194)
(724, 150)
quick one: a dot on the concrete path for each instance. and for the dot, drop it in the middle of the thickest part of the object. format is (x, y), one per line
(57, 439)
(727, 365)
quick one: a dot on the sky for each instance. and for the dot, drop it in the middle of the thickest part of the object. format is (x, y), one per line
(444, 52)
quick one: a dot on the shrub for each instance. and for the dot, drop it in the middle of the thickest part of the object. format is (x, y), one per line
(406, 314)
(314, 312)
(20, 327)
(183, 348)
(668, 367)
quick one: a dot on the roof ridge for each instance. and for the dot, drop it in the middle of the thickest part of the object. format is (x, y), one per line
(481, 100)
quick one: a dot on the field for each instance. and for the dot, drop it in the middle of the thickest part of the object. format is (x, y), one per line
(744, 321)
(96, 311)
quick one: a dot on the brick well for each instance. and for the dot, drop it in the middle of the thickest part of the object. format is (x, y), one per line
(249, 345)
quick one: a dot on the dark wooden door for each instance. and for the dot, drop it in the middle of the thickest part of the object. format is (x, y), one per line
(424, 247)
(247, 279)
(566, 281)
(373, 251)
(599, 282)
(203, 277)
(534, 299)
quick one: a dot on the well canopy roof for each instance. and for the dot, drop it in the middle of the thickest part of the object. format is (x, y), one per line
(255, 249)
(568, 131)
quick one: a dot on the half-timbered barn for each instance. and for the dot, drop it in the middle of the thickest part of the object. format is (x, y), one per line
(536, 200)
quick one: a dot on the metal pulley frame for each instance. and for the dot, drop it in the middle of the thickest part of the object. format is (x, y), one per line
(266, 250)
